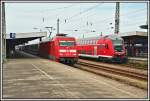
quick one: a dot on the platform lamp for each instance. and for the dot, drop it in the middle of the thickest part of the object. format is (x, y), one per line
(50, 30)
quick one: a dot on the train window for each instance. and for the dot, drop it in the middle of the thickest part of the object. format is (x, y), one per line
(106, 46)
(66, 43)
(117, 42)
(91, 41)
(94, 41)
(101, 46)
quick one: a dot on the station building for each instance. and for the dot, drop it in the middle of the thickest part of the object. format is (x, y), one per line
(136, 43)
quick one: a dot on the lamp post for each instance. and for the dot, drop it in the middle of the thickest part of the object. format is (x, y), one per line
(3, 32)
(111, 27)
(50, 31)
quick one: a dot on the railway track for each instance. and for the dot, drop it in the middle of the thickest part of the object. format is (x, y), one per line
(129, 76)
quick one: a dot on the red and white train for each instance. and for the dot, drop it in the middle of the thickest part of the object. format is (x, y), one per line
(60, 48)
(105, 48)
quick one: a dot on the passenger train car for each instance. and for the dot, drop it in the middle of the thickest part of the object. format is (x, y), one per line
(105, 48)
(60, 48)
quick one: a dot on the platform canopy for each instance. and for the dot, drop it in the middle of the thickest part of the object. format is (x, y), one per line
(133, 33)
(144, 26)
(135, 37)
(20, 38)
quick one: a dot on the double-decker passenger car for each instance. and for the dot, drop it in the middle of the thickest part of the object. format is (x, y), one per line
(61, 48)
(109, 47)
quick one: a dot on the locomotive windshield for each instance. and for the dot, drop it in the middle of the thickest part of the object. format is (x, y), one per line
(66, 43)
(118, 45)
(117, 42)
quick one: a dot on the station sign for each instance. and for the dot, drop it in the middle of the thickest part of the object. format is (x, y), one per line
(13, 35)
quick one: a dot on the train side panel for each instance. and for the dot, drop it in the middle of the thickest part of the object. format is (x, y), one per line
(110, 47)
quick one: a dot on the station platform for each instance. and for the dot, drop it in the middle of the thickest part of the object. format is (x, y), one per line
(30, 77)
(138, 58)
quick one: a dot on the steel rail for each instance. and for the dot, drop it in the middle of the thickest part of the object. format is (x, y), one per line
(115, 70)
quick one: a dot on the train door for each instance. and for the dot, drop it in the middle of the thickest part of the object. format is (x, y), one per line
(95, 50)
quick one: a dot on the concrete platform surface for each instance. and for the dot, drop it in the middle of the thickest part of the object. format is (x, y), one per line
(28, 76)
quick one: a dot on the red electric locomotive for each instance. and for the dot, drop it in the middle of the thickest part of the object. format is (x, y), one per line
(105, 48)
(61, 48)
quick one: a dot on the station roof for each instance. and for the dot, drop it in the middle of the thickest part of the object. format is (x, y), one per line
(27, 35)
(133, 33)
(21, 38)
(136, 37)
(144, 26)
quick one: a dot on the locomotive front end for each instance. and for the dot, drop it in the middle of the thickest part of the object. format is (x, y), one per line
(68, 51)
(119, 50)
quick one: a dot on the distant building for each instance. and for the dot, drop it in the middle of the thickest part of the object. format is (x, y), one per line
(136, 43)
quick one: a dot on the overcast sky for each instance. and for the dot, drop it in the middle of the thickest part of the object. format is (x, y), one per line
(84, 17)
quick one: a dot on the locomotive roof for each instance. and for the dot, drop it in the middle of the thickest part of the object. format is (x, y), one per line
(112, 37)
(51, 39)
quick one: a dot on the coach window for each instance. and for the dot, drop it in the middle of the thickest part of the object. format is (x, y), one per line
(101, 46)
(94, 41)
(91, 41)
(106, 46)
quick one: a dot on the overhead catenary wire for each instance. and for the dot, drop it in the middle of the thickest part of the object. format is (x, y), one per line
(126, 14)
(60, 8)
(97, 22)
(80, 13)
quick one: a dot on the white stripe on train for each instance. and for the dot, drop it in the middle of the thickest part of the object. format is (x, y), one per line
(62, 50)
(95, 56)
